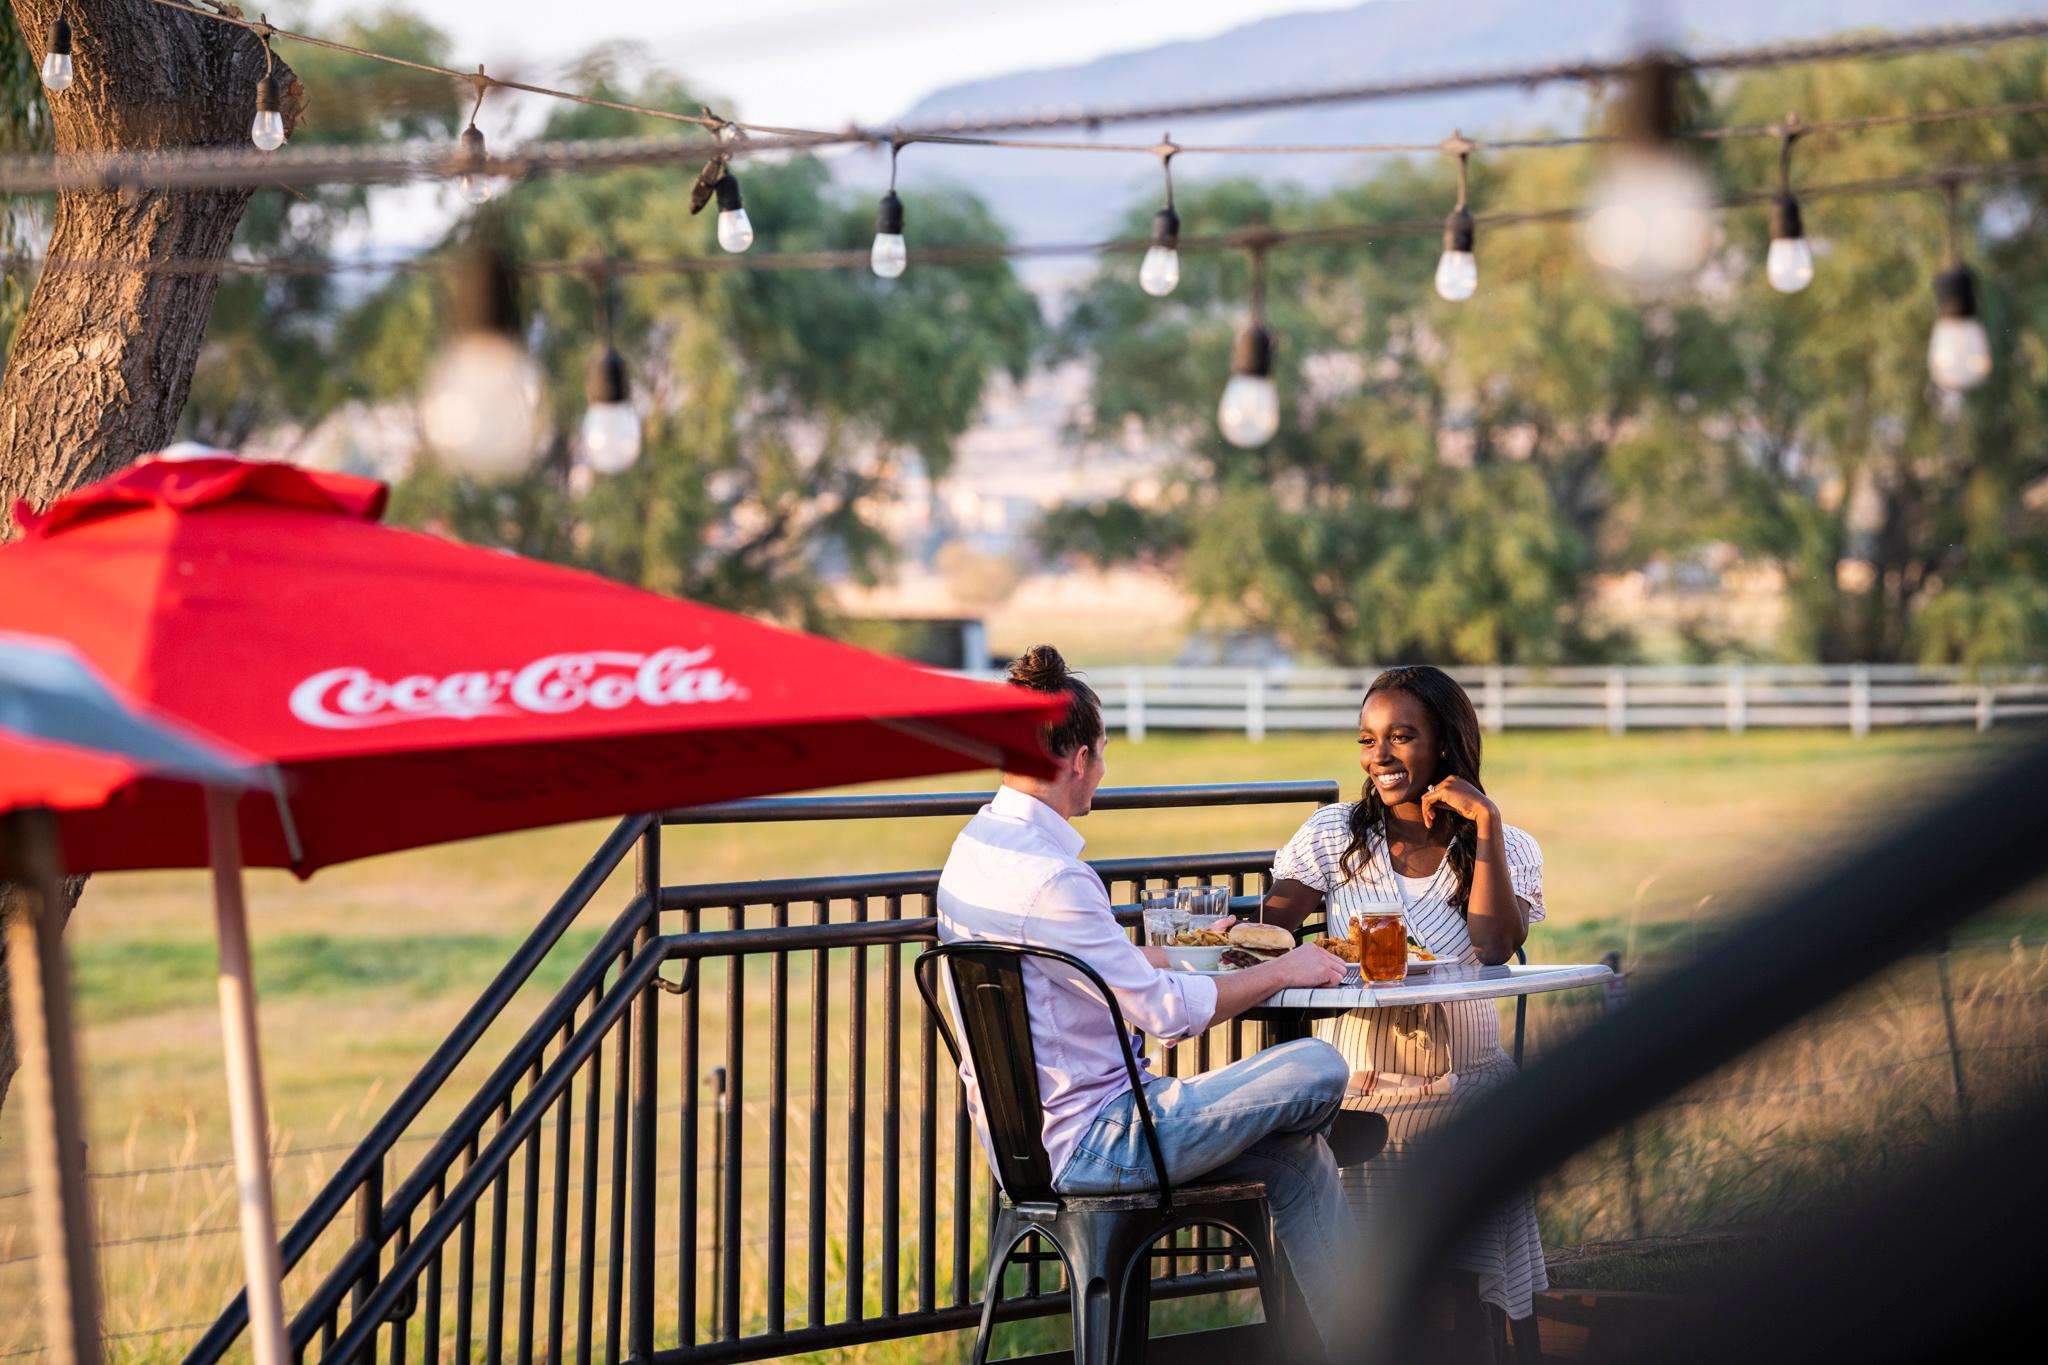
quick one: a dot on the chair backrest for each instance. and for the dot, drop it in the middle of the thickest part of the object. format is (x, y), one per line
(988, 988)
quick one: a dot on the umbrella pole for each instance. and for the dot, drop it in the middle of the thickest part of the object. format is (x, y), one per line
(260, 1263)
(39, 984)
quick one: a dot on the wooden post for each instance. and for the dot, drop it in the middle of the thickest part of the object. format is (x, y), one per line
(1859, 700)
(1134, 704)
(1987, 703)
(1617, 701)
(1255, 704)
(1496, 698)
(1738, 699)
(39, 980)
(247, 1115)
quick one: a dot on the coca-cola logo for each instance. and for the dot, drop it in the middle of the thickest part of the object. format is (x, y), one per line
(605, 680)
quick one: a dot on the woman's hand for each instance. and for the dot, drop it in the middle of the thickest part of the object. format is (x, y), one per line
(1457, 795)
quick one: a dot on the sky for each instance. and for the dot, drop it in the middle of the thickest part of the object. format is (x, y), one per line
(821, 63)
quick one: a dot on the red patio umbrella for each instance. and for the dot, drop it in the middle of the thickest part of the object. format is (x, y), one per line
(418, 690)
(413, 690)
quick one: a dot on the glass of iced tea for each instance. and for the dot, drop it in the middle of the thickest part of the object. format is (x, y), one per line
(1381, 931)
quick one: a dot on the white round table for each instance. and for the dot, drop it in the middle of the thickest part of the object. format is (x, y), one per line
(1287, 1013)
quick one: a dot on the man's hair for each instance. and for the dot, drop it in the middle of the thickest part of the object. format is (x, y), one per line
(1041, 669)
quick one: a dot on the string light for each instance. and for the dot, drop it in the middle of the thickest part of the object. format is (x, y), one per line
(735, 230)
(1249, 413)
(890, 255)
(1649, 229)
(57, 56)
(266, 130)
(481, 408)
(1457, 270)
(1160, 271)
(475, 184)
(1789, 264)
(1958, 350)
(611, 429)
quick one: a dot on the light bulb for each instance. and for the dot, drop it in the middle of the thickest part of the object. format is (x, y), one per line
(267, 129)
(1250, 411)
(1789, 263)
(1457, 276)
(735, 232)
(1648, 229)
(611, 437)
(1958, 351)
(1457, 270)
(890, 255)
(57, 56)
(474, 185)
(611, 429)
(1160, 271)
(481, 408)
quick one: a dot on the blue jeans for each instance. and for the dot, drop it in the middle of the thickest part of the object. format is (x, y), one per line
(1265, 1118)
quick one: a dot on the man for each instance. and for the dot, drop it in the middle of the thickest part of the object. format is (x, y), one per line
(1015, 876)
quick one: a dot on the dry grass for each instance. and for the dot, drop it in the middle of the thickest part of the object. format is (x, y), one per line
(1647, 840)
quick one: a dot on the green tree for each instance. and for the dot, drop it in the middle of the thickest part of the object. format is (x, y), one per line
(1900, 515)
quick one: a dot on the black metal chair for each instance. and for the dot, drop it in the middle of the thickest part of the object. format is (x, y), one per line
(1104, 1241)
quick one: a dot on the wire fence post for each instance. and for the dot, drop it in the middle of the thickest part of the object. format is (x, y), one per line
(1955, 1050)
(1617, 1000)
(716, 1080)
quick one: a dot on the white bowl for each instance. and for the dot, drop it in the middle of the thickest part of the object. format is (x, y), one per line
(1194, 959)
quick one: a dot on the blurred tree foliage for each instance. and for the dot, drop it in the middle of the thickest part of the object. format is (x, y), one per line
(778, 404)
(269, 354)
(1449, 478)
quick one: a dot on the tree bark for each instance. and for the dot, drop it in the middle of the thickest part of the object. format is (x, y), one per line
(102, 362)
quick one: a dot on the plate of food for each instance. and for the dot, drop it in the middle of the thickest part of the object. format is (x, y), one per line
(1246, 945)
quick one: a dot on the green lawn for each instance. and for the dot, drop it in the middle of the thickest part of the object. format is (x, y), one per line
(1649, 841)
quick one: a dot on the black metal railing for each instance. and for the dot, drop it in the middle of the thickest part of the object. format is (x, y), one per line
(527, 1230)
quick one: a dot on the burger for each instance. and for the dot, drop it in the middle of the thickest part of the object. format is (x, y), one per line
(1251, 944)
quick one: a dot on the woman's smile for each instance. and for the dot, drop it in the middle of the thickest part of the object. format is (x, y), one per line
(1391, 782)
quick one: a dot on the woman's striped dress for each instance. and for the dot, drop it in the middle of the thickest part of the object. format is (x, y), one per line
(1395, 1052)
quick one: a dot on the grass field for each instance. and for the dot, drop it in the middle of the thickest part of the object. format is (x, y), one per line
(1650, 841)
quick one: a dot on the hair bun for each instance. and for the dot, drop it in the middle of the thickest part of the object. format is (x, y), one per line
(1041, 669)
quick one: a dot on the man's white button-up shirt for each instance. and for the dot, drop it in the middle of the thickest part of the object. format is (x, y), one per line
(1015, 876)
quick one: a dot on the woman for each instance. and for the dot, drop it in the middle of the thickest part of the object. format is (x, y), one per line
(1424, 833)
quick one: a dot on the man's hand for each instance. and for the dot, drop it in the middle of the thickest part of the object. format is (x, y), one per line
(1309, 965)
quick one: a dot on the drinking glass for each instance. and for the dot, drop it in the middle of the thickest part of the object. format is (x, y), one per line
(1381, 931)
(1165, 916)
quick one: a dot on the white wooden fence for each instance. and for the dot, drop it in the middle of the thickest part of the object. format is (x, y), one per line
(1856, 697)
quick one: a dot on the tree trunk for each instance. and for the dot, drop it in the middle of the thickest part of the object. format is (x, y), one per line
(102, 362)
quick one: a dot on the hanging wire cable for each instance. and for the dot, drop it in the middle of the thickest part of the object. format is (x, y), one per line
(1239, 240)
(375, 165)
(385, 163)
